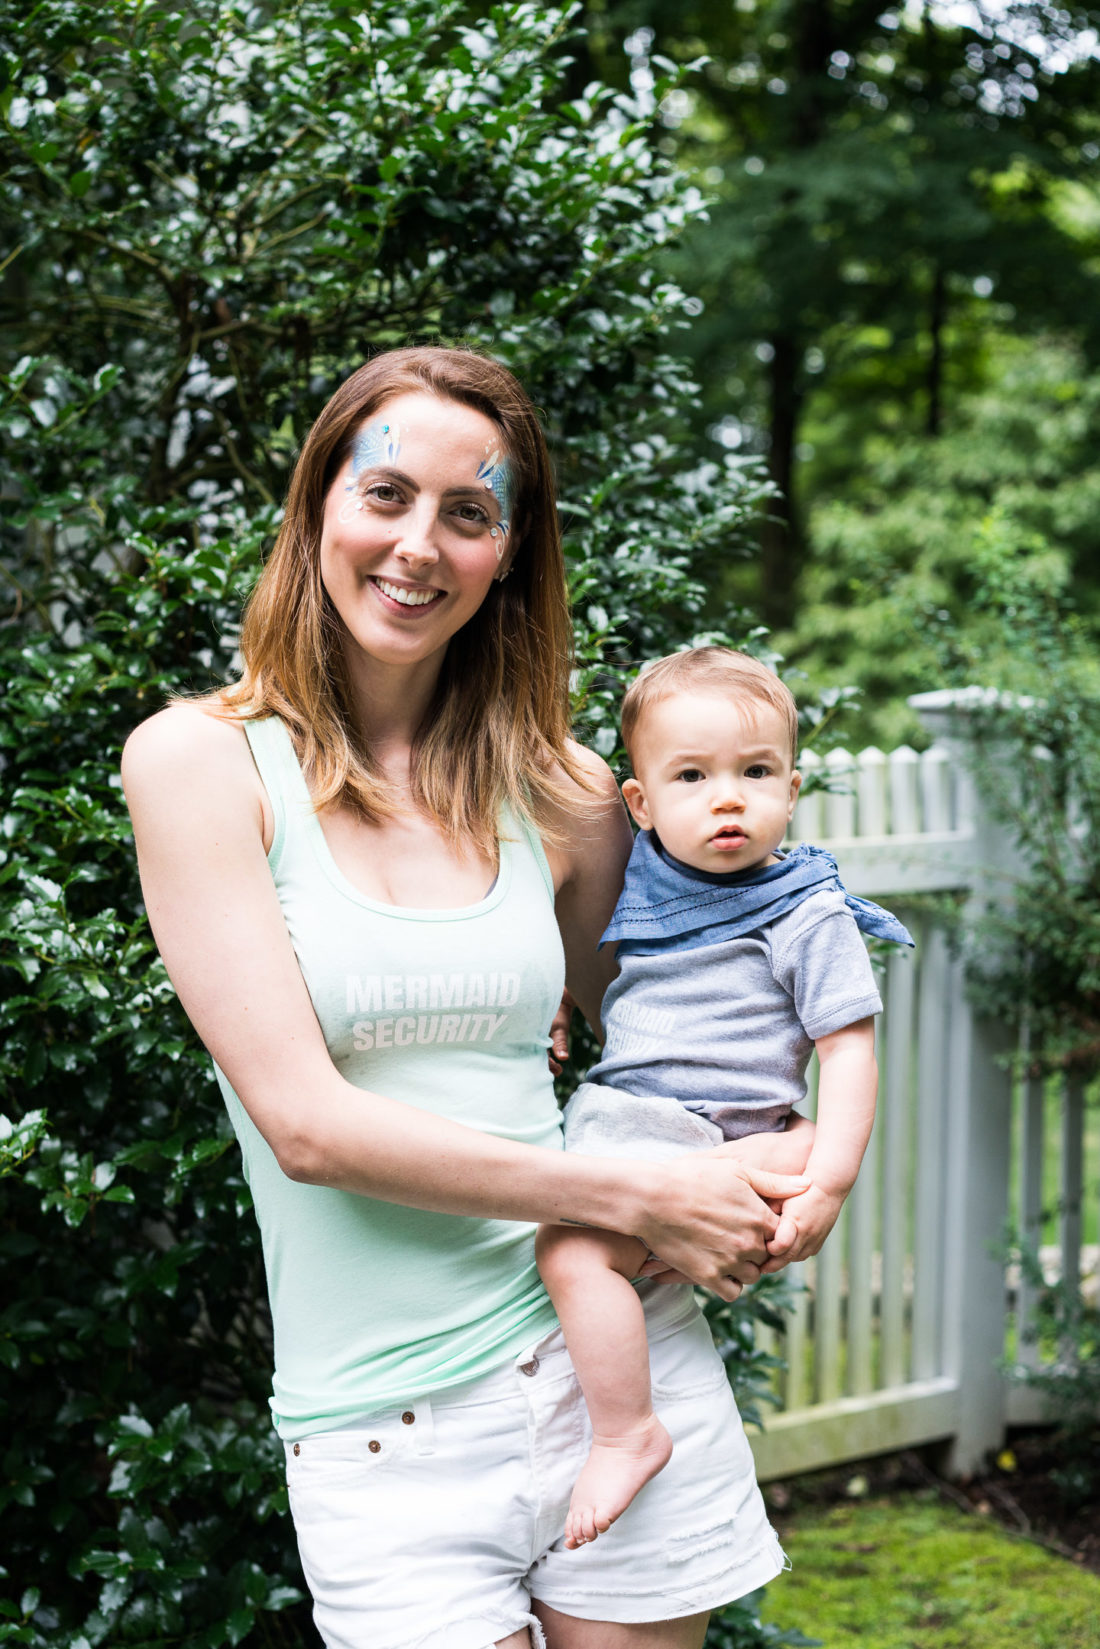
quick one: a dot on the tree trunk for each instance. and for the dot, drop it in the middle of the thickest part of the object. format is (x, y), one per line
(813, 33)
(937, 319)
(782, 539)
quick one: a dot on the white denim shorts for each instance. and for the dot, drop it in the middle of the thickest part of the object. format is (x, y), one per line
(435, 1524)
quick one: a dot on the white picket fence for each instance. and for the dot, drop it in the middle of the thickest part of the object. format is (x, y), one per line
(908, 1312)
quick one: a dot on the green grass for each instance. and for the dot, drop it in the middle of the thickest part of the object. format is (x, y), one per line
(913, 1573)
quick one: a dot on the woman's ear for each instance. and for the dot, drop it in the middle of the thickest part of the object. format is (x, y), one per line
(634, 797)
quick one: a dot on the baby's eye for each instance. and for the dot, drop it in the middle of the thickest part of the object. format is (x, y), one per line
(758, 770)
(691, 775)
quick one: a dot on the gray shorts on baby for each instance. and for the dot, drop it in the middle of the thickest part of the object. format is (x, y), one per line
(607, 1122)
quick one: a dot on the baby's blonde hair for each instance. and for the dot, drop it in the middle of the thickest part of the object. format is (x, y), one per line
(739, 675)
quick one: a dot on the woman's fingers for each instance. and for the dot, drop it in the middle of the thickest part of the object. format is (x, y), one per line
(657, 1271)
(727, 1288)
(559, 1034)
(767, 1184)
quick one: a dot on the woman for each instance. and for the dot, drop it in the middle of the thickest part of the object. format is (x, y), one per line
(368, 867)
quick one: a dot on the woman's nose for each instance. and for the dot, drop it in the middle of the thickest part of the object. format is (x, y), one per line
(416, 545)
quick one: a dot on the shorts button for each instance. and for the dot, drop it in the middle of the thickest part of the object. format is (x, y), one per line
(297, 1448)
(408, 1417)
(530, 1368)
(374, 1446)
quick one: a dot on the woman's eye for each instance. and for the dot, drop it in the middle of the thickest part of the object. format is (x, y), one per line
(472, 515)
(383, 492)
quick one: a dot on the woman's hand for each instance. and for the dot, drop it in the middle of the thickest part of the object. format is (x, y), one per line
(785, 1152)
(559, 1034)
(708, 1219)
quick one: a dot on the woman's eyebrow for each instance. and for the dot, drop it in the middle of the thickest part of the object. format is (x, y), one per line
(470, 489)
(391, 474)
(406, 480)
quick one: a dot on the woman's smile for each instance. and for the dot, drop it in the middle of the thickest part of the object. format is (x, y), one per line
(406, 595)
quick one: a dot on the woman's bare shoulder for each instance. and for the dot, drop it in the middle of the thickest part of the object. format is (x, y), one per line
(186, 743)
(189, 770)
(600, 782)
(588, 825)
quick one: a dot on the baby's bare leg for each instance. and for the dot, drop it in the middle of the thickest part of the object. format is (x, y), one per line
(587, 1275)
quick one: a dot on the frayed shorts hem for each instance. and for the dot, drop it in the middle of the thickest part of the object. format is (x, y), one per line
(478, 1633)
(707, 1593)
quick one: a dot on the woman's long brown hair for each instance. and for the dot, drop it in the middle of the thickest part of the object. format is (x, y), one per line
(497, 730)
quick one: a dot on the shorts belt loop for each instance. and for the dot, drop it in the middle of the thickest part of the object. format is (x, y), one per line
(423, 1426)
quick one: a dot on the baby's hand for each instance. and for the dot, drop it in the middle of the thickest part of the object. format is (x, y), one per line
(804, 1222)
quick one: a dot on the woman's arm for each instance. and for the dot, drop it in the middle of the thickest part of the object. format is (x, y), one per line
(588, 866)
(198, 810)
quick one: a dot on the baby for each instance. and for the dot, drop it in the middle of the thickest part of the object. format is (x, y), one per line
(735, 963)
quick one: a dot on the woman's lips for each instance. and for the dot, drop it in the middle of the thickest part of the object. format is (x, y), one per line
(408, 597)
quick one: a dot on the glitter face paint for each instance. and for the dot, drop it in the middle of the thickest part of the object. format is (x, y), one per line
(495, 474)
(376, 443)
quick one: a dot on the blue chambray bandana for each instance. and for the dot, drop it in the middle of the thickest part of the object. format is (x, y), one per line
(666, 905)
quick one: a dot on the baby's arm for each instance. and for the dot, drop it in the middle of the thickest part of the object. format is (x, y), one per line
(846, 1093)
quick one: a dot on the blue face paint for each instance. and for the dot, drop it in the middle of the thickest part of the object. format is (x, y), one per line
(495, 473)
(376, 443)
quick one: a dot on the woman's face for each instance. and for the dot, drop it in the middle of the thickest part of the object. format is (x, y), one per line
(416, 527)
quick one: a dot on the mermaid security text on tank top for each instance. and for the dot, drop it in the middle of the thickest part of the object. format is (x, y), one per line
(448, 1010)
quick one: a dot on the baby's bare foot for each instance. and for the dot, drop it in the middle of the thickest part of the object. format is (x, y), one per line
(615, 1470)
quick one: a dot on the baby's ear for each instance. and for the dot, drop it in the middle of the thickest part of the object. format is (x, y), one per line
(634, 797)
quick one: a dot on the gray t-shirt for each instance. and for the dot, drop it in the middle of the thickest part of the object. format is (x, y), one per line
(728, 1029)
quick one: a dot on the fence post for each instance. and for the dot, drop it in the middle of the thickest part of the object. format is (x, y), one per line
(979, 1114)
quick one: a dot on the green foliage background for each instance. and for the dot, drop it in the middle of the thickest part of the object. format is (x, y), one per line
(898, 292)
(211, 214)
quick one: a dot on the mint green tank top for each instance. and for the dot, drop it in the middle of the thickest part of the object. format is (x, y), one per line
(448, 1010)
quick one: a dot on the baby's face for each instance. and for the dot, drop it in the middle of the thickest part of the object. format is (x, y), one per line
(715, 780)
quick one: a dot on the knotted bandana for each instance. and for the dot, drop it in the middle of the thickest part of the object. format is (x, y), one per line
(666, 905)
